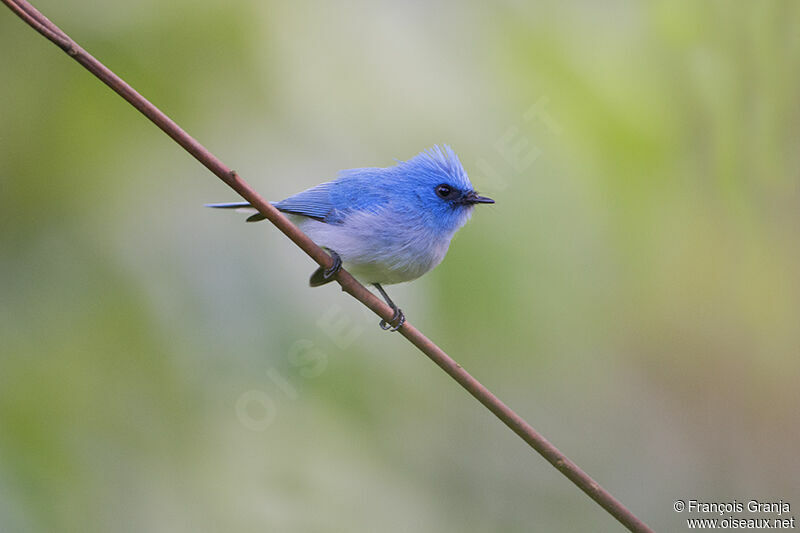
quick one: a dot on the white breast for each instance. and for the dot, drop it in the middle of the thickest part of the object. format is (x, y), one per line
(381, 247)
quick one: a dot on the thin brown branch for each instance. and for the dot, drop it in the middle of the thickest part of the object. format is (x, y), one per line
(41, 24)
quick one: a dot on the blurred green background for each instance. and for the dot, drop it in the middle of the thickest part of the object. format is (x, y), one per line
(634, 293)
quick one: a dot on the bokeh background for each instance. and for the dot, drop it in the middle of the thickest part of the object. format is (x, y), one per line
(634, 293)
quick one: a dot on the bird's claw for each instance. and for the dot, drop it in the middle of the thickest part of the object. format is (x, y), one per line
(321, 276)
(334, 269)
(397, 321)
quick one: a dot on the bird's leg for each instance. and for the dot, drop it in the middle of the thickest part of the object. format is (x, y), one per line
(398, 319)
(321, 276)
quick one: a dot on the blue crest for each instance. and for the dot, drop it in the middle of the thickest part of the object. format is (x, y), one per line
(437, 165)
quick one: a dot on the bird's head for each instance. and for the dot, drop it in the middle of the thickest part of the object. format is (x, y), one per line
(435, 183)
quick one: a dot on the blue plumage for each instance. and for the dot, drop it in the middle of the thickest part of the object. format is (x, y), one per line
(388, 225)
(370, 188)
(315, 203)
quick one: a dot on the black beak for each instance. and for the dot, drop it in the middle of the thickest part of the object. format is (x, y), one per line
(472, 198)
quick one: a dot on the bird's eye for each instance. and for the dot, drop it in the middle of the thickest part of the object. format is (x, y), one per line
(444, 191)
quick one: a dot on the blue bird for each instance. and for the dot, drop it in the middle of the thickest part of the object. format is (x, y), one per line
(385, 225)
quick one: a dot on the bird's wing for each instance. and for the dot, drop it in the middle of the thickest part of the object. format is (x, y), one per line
(313, 203)
(328, 202)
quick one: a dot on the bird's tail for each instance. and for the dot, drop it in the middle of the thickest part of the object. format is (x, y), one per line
(241, 207)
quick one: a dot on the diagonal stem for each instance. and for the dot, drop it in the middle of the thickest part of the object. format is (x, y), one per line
(40, 23)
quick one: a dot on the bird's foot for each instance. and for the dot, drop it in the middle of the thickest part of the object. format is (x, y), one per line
(397, 321)
(321, 276)
(334, 269)
(398, 318)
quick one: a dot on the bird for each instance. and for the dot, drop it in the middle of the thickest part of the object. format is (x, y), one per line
(385, 225)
